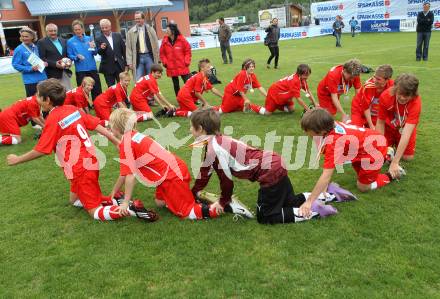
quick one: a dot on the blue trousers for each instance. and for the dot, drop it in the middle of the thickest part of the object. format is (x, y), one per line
(423, 39)
(144, 64)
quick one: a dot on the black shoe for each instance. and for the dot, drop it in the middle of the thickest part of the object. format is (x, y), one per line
(119, 197)
(161, 113)
(230, 61)
(425, 59)
(276, 67)
(142, 213)
(225, 62)
(170, 113)
(418, 59)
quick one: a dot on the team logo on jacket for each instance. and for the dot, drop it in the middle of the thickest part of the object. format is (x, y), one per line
(340, 130)
(70, 119)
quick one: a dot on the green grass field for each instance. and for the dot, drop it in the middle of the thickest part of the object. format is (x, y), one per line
(386, 245)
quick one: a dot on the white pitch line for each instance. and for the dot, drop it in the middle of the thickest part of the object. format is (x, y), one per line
(353, 54)
(360, 53)
(394, 66)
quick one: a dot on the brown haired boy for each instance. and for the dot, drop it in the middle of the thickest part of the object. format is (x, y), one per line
(281, 93)
(342, 143)
(146, 89)
(338, 81)
(365, 104)
(399, 113)
(193, 89)
(18, 115)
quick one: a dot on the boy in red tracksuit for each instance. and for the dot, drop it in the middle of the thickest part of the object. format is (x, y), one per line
(143, 158)
(79, 97)
(364, 148)
(365, 105)
(281, 93)
(115, 95)
(399, 112)
(277, 203)
(145, 90)
(338, 81)
(16, 116)
(193, 89)
(234, 98)
(65, 133)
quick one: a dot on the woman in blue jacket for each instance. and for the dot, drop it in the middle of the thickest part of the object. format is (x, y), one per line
(30, 74)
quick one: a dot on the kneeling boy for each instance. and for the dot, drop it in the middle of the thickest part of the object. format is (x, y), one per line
(399, 112)
(341, 143)
(16, 116)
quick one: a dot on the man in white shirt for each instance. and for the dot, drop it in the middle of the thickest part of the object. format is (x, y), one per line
(111, 47)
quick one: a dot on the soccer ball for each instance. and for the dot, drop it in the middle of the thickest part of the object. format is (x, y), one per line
(66, 62)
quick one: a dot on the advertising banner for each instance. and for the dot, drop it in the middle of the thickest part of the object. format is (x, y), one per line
(380, 26)
(364, 10)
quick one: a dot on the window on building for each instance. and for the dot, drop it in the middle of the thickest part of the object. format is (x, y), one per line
(6, 4)
(164, 23)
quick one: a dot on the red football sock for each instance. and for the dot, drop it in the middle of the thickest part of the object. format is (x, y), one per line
(106, 201)
(142, 117)
(257, 109)
(8, 140)
(182, 113)
(107, 213)
(212, 212)
(198, 211)
(382, 180)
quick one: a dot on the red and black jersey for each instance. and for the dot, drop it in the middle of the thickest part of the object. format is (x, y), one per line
(232, 158)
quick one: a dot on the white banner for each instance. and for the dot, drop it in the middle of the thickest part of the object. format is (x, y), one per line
(251, 37)
(6, 66)
(364, 10)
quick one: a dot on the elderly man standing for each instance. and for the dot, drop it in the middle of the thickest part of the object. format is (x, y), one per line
(425, 19)
(82, 49)
(52, 49)
(224, 35)
(111, 47)
(142, 46)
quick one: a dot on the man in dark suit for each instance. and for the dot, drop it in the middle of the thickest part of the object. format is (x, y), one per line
(111, 47)
(52, 49)
(425, 19)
